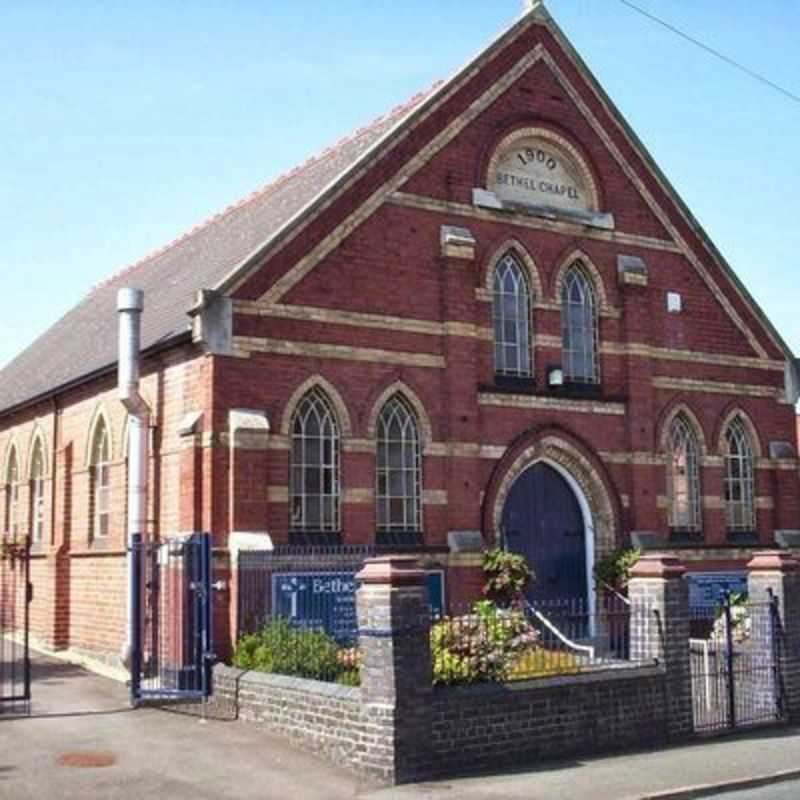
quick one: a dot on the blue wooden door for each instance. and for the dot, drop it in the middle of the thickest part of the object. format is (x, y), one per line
(543, 521)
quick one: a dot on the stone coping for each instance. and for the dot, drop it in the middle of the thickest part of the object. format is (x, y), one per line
(267, 680)
(604, 674)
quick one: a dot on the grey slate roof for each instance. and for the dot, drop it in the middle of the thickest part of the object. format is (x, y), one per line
(84, 341)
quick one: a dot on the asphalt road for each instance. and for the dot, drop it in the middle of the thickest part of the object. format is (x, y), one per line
(778, 791)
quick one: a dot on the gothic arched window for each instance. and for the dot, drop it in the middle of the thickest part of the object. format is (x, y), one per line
(740, 507)
(100, 480)
(12, 495)
(579, 327)
(683, 477)
(399, 471)
(512, 318)
(314, 483)
(37, 492)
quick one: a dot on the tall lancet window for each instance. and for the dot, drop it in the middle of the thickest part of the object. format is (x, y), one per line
(12, 496)
(37, 492)
(512, 319)
(100, 479)
(579, 327)
(683, 477)
(314, 490)
(739, 482)
(399, 478)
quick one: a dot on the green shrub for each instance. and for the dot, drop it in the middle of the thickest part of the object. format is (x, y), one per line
(283, 649)
(614, 570)
(349, 677)
(507, 577)
(481, 646)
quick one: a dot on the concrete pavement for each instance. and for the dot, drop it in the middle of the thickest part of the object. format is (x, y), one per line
(80, 718)
(651, 774)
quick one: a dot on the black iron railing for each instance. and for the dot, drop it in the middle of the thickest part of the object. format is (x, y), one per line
(735, 665)
(15, 597)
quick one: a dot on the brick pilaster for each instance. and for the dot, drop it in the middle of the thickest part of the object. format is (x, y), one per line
(394, 630)
(462, 355)
(776, 573)
(659, 596)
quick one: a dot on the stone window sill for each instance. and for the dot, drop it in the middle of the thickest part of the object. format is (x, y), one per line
(570, 391)
(315, 538)
(743, 537)
(400, 539)
(677, 536)
(483, 198)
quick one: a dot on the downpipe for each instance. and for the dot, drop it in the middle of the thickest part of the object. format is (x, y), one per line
(130, 304)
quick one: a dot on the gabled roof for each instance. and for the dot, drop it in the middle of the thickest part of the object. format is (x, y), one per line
(84, 341)
(222, 251)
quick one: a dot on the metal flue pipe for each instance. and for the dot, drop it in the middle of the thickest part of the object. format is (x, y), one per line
(130, 304)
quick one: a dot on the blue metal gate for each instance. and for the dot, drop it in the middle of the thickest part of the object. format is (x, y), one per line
(172, 620)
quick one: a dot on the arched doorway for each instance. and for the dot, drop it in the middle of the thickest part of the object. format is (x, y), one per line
(544, 520)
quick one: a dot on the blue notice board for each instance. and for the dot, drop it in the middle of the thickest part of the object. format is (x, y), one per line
(706, 589)
(327, 600)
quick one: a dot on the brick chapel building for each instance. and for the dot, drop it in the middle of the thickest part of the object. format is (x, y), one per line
(485, 318)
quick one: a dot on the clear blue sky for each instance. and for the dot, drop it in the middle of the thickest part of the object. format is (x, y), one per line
(124, 123)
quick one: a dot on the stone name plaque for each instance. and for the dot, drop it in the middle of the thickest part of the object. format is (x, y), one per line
(534, 171)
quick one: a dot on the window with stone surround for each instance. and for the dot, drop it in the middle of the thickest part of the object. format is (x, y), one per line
(512, 318)
(100, 481)
(399, 469)
(37, 492)
(314, 479)
(12, 495)
(683, 477)
(739, 478)
(579, 327)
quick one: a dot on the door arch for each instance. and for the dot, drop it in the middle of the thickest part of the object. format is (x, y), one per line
(547, 518)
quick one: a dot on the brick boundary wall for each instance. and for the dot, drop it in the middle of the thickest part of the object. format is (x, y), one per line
(398, 728)
(475, 728)
(323, 717)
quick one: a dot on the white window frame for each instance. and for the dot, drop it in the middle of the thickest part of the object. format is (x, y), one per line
(404, 467)
(37, 493)
(740, 506)
(303, 462)
(683, 477)
(101, 482)
(520, 363)
(579, 327)
(12, 496)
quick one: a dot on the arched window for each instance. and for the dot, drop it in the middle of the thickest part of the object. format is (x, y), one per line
(399, 471)
(512, 318)
(314, 484)
(683, 477)
(739, 484)
(12, 495)
(100, 479)
(579, 327)
(37, 492)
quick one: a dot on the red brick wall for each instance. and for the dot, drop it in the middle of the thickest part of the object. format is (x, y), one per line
(391, 265)
(80, 581)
